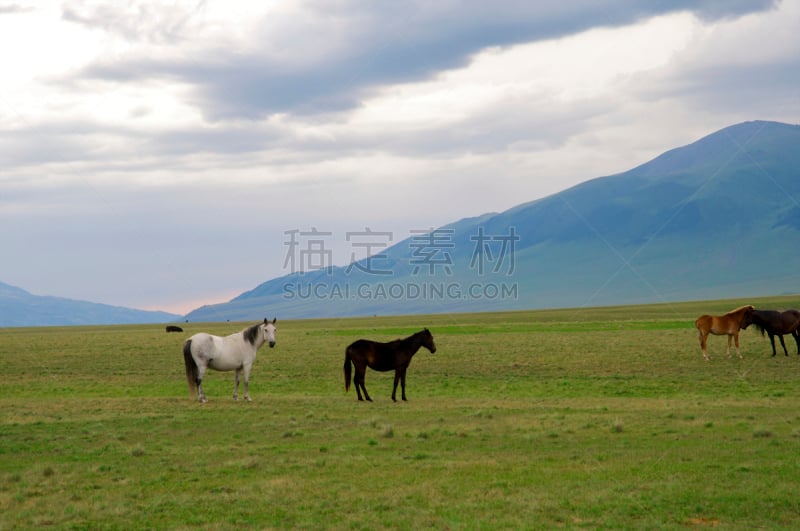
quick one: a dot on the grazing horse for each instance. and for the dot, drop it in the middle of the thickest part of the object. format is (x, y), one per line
(235, 352)
(778, 324)
(394, 355)
(728, 324)
(174, 328)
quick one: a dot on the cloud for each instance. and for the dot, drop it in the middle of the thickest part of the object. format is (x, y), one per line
(9, 9)
(157, 156)
(154, 22)
(319, 57)
(750, 65)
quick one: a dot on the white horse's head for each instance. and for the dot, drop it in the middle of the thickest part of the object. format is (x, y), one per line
(269, 331)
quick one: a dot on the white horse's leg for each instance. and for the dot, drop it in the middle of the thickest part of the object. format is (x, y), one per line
(247, 382)
(201, 371)
(236, 384)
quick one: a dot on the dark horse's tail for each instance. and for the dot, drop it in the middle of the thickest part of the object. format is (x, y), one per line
(348, 368)
(191, 367)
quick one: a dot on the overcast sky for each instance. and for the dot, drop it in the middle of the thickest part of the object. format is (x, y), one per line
(158, 155)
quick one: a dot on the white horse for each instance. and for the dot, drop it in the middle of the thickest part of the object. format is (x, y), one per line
(235, 352)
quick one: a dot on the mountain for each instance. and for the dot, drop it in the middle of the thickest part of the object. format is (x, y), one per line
(20, 308)
(718, 218)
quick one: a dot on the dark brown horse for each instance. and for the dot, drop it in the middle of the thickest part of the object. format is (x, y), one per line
(778, 324)
(720, 325)
(394, 355)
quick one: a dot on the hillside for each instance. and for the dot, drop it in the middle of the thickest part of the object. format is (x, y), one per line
(718, 218)
(20, 308)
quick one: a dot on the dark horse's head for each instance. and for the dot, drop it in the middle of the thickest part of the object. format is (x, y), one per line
(427, 340)
(746, 316)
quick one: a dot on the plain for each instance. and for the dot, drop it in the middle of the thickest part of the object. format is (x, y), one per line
(593, 417)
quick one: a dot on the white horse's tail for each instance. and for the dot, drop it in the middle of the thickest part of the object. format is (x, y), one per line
(191, 367)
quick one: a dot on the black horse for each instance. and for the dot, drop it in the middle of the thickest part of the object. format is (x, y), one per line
(394, 355)
(778, 324)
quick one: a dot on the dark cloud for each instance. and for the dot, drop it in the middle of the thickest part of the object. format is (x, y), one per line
(352, 48)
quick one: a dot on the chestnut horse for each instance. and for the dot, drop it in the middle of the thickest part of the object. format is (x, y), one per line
(778, 324)
(720, 325)
(394, 355)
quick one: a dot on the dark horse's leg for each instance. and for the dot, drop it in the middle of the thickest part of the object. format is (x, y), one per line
(786, 352)
(394, 387)
(772, 342)
(403, 382)
(796, 336)
(358, 379)
(399, 375)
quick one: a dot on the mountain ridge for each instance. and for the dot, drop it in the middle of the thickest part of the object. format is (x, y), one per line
(20, 308)
(712, 219)
(706, 220)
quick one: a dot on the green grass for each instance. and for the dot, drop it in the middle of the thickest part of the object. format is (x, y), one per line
(596, 417)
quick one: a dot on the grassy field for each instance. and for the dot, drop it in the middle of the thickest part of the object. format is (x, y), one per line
(603, 417)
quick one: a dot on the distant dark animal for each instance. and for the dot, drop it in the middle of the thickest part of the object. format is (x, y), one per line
(173, 328)
(778, 324)
(728, 324)
(394, 355)
(235, 352)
